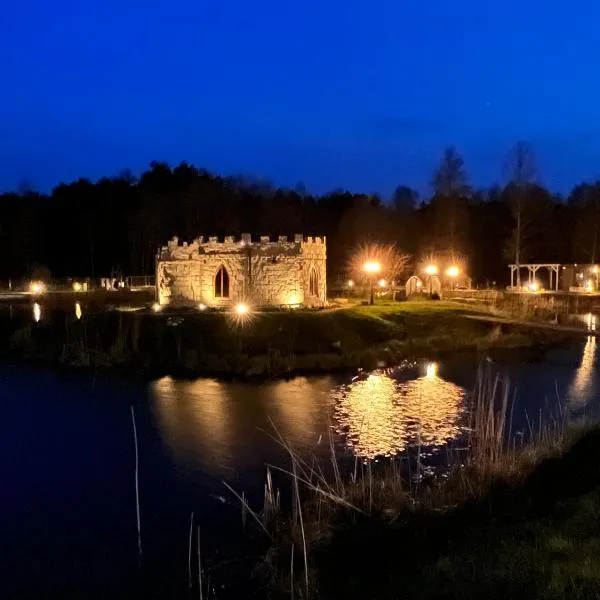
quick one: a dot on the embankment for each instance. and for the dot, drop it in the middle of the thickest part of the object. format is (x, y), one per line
(265, 344)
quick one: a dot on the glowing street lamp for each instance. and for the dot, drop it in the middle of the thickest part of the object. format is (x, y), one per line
(37, 287)
(371, 268)
(382, 283)
(453, 272)
(431, 270)
(350, 283)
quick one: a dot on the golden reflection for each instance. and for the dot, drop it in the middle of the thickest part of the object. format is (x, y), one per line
(580, 387)
(379, 416)
(590, 321)
(37, 312)
(78, 313)
(297, 408)
(194, 420)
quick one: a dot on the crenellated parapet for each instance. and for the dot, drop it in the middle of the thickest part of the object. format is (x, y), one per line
(264, 244)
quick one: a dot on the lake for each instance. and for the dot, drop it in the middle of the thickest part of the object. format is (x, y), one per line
(68, 524)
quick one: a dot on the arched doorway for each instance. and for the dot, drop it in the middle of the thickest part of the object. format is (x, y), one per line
(222, 283)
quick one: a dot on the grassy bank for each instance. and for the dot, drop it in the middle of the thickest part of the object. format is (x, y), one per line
(505, 523)
(266, 344)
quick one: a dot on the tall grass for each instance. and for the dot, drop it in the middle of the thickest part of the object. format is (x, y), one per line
(487, 453)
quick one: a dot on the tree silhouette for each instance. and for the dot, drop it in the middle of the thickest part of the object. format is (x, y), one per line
(116, 224)
(522, 170)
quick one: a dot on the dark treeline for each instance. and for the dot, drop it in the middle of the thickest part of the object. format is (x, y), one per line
(116, 224)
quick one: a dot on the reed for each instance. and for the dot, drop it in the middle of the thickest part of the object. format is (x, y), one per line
(484, 457)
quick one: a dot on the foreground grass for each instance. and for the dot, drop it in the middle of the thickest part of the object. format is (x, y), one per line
(536, 537)
(269, 343)
(505, 522)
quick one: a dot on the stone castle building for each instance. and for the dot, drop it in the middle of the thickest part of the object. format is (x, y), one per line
(260, 272)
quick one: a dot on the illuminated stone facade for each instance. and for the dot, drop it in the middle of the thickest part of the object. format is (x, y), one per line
(263, 272)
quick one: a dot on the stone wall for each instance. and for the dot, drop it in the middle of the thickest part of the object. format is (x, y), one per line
(261, 272)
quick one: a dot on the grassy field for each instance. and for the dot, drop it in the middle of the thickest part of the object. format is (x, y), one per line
(267, 343)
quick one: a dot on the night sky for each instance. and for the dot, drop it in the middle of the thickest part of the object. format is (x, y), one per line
(335, 93)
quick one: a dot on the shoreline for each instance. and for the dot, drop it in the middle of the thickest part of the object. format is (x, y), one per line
(272, 346)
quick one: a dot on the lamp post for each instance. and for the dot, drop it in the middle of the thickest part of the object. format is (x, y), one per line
(431, 270)
(371, 268)
(452, 272)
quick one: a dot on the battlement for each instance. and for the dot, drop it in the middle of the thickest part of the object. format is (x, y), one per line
(230, 244)
(246, 238)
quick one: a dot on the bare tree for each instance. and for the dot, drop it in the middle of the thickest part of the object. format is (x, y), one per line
(393, 263)
(522, 171)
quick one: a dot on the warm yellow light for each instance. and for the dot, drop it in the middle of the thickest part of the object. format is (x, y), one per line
(76, 286)
(37, 312)
(431, 370)
(350, 283)
(453, 271)
(382, 283)
(242, 309)
(78, 312)
(156, 307)
(379, 416)
(595, 269)
(37, 287)
(534, 286)
(201, 306)
(293, 300)
(431, 270)
(589, 285)
(419, 283)
(372, 266)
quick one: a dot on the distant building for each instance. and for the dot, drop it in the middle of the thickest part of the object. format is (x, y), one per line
(583, 278)
(219, 273)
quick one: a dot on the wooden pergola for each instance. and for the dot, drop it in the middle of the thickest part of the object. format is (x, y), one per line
(532, 269)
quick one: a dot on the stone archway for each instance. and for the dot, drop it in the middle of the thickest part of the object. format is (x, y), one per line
(413, 286)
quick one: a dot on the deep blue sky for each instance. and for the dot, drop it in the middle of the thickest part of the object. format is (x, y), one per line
(336, 93)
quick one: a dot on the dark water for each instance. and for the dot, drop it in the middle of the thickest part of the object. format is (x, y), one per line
(67, 501)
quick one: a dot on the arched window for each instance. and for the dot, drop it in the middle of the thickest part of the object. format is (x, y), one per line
(222, 283)
(314, 282)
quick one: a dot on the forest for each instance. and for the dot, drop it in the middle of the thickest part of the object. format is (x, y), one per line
(116, 224)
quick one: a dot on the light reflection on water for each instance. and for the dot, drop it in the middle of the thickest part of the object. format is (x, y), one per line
(194, 418)
(381, 416)
(226, 426)
(37, 312)
(218, 424)
(581, 386)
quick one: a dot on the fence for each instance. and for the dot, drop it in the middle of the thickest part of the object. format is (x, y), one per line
(140, 281)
